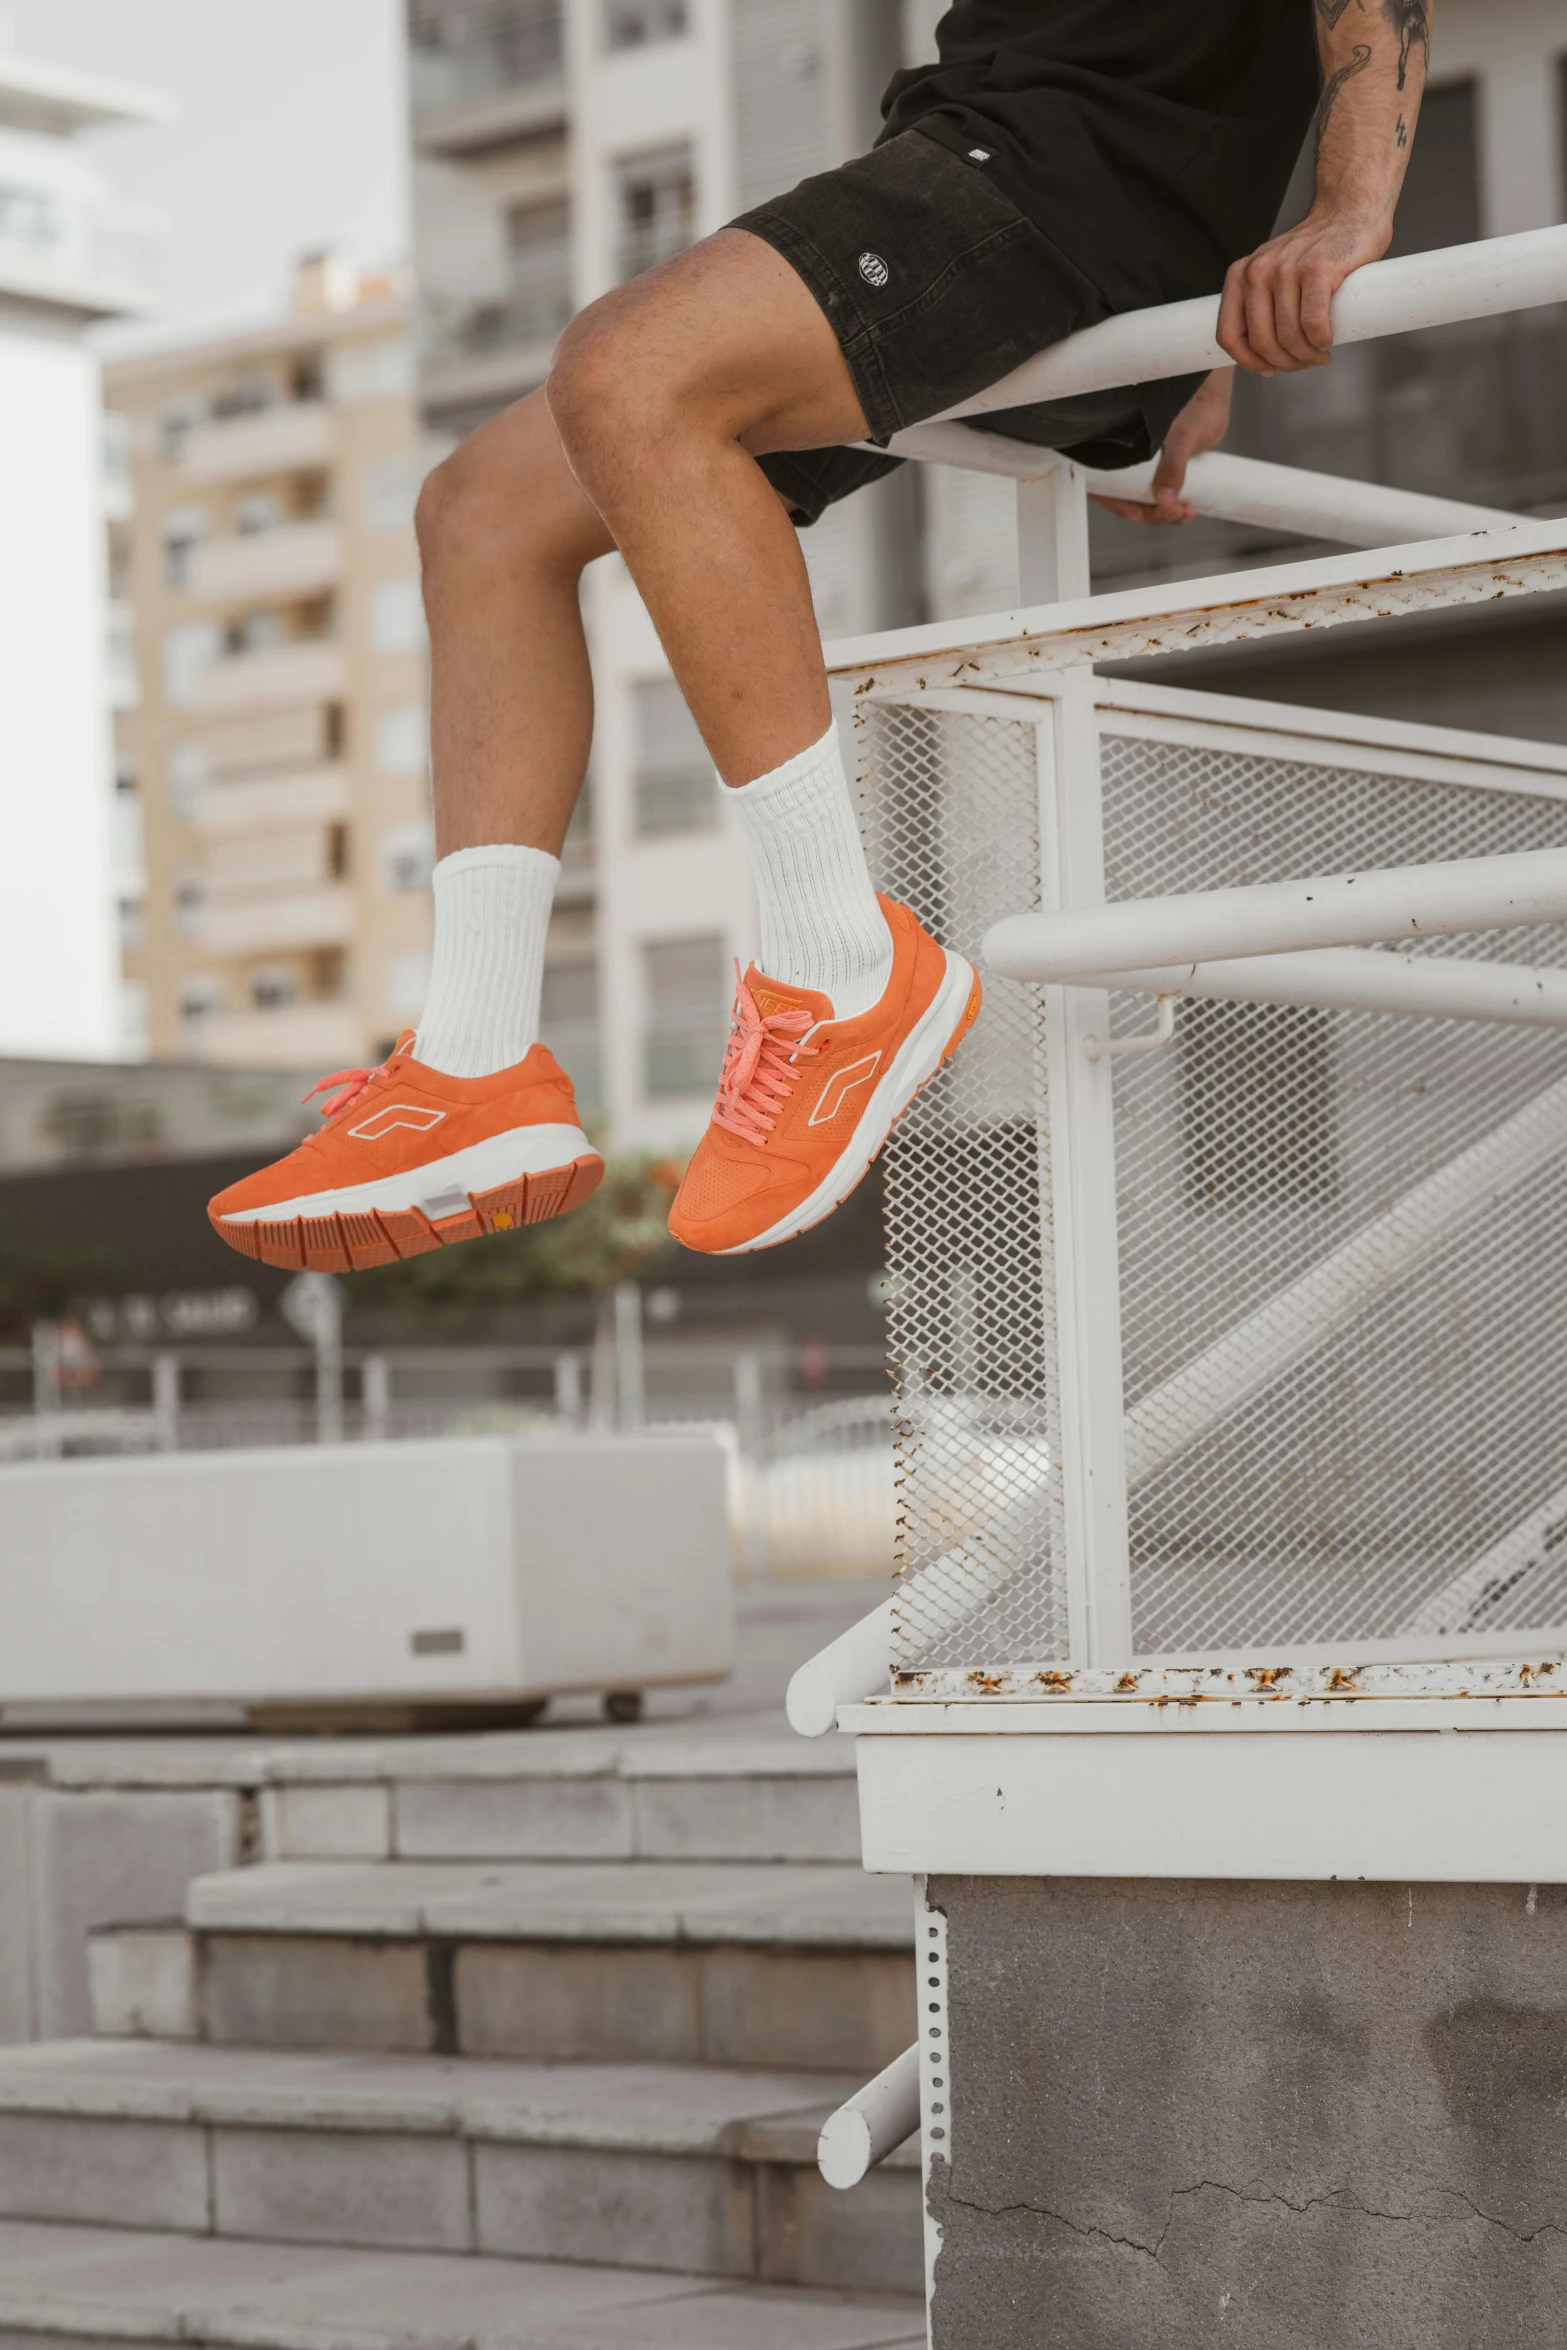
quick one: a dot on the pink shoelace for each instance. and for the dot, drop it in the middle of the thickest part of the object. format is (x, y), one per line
(353, 1082)
(759, 1065)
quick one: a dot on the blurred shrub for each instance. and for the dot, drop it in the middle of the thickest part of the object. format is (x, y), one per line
(39, 1285)
(623, 1227)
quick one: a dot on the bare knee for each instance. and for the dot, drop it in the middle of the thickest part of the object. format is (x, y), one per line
(502, 503)
(602, 392)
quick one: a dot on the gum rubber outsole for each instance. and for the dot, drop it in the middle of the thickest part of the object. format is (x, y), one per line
(970, 1015)
(384, 1236)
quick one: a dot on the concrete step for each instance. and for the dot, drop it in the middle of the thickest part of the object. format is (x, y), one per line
(646, 1795)
(75, 2288)
(644, 1962)
(695, 2169)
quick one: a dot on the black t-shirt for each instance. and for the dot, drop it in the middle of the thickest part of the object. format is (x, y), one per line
(1151, 140)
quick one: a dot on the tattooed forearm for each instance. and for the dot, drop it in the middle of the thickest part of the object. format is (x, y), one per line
(1359, 59)
(1411, 22)
(1401, 133)
(1331, 10)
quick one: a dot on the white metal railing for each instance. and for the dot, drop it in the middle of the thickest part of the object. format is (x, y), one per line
(1418, 290)
(1318, 942)
(1481, 280)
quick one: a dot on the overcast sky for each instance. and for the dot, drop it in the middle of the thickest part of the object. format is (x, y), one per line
(290, 135)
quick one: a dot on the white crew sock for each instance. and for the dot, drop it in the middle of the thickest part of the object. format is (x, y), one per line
(492, 913)
(821, 925)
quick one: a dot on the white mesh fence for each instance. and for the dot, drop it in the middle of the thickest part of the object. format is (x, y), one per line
(950, 807)
(1343, 1237)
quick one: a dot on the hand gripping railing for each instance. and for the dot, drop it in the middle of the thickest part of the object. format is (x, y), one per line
(1387, 297)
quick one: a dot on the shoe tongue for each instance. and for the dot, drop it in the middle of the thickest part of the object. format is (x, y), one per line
(772, 995)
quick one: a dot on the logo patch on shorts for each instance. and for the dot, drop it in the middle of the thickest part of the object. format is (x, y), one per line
(874, 270)
(979, 154)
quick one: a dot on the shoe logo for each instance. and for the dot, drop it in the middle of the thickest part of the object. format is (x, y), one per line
(395, 1114)
(874, 270)
(840, 1085)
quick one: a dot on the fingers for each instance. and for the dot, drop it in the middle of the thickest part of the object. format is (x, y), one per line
(1231, 335)
(1276, 312)
(1131, 511)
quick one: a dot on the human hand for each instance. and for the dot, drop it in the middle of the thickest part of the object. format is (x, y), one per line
(1274, 317)
(1202, 424)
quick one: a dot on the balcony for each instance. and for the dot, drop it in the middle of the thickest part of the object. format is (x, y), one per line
(495, 347)
(486, 72)
(315, 669)
(297, 436)
(76, 248)
(272, 803)
(301, 857)
(252, 567)
(275, 922)
(296, 1036)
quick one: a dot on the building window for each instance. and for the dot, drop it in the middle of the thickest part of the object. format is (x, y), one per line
(389, 492)
(569, 1025)
(408, 856)
(187, 653)
(632, 24)
(685, 993)
(464, 49)
(256, 514)
(248, 397)
(676, 789)
(178, 421)
(1439, 203)
(655, 208)
(183, 532)
(397, 616)
(187, 907)
(402, 741)
(274, 987)
(538, 270)
(199, 999)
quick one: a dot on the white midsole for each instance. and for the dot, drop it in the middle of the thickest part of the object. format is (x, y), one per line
(482, 1166)
(917, 1058)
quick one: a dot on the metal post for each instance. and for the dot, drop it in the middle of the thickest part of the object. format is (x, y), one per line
(568, 1388)
(1052, 536)
(750, 1428)
(329, 1362)
(166, 1400)
(46, 1388)
(630, 1378)
(1082, 1177)
(375, 1394)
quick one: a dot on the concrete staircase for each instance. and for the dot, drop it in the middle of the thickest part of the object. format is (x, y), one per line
(420, 2078)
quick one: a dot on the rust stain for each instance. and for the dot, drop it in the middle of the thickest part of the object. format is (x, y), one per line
(1340, 1679)
(1128, 1683)
(988, 1682)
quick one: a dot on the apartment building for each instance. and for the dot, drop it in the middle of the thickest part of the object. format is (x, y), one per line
(273, 770)
(71, 255)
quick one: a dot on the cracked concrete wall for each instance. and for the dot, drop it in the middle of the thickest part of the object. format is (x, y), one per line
(1268, 2116)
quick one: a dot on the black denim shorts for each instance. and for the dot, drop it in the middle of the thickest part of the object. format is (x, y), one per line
(935, 285)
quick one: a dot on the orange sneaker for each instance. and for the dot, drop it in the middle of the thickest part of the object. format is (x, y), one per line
(806, 1101)
(408, 1160)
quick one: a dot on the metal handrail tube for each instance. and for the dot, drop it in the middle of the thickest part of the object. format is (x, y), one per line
(1229, 489)
(1519, 272)
(941, 1596)
(1272, 918)
(871, 2124)
(1365, 979)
